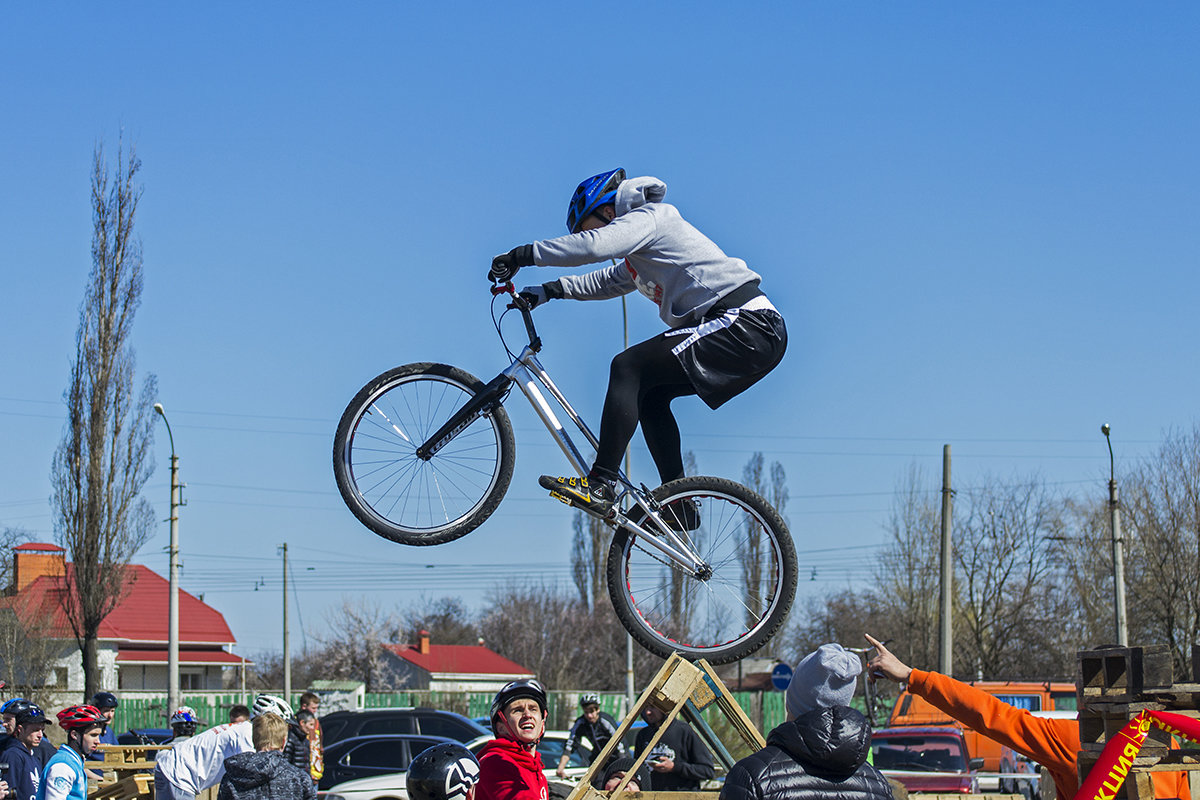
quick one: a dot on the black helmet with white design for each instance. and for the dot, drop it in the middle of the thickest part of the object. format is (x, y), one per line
(515, 690)
(589, 699)
(446, 771)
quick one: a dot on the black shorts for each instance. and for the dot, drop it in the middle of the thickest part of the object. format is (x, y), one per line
(730, 351)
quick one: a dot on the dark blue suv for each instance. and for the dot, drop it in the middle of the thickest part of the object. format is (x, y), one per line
(417, 721)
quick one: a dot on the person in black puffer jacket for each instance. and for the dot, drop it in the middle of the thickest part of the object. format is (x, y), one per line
(296, 750)
(820, 753)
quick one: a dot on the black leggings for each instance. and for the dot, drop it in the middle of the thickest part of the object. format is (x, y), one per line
(642, 383)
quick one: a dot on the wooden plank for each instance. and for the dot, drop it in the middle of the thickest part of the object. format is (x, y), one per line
(746, 729)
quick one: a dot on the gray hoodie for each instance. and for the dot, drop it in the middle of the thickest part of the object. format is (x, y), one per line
(665, 258)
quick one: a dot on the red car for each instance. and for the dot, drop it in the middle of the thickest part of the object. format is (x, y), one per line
(925, 759)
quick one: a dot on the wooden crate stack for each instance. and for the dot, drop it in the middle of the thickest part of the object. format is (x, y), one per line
(1114, 686)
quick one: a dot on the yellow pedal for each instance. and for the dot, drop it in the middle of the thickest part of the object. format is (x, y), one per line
(562, 498)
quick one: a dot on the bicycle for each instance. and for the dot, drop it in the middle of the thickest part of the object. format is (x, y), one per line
(424, 454)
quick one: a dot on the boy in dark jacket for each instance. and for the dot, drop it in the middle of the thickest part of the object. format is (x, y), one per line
(820, 753)
(264, 774)
(24, 766)
(296, 750)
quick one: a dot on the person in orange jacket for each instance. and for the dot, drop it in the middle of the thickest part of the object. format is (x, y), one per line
(1053, 743)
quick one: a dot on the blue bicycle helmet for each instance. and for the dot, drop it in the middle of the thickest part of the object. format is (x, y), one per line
(596, 191)
(15, 706)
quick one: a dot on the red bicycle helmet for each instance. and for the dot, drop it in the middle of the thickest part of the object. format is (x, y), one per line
(73, 717)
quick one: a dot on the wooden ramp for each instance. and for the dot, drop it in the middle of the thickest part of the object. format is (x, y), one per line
(680, 689)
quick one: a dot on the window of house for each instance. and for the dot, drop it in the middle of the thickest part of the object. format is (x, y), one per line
(57, 679)
(191, 680)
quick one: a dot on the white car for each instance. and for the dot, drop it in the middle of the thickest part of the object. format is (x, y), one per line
(391, 786)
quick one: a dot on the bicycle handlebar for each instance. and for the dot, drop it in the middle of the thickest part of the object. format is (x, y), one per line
(520, 304)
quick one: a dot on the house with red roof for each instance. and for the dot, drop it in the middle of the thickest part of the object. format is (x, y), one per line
(133, 638)
(449, 667)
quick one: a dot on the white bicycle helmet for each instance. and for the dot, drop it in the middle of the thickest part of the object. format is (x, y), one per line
(270, 704)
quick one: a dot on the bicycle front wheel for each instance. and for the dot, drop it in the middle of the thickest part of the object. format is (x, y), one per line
(408, 499)
(730, 608)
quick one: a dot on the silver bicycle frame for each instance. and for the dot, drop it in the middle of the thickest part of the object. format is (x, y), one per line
(522, 372)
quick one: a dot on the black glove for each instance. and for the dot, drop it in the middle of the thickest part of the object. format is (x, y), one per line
(505, 265)
(536, 295)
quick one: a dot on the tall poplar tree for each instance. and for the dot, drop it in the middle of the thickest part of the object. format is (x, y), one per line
(105, 455)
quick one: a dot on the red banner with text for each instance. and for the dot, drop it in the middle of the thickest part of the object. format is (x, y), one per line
(1105, 779)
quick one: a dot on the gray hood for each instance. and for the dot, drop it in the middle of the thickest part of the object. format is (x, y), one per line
(636, 192)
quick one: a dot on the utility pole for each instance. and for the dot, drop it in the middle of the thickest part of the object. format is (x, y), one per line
(629, 688)
(1118, 546)
(173, 699)
(287, 656)
(946, 656)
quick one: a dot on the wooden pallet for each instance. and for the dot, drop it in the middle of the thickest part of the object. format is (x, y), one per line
(1123, 673)
(1117, 684)
(133, 786)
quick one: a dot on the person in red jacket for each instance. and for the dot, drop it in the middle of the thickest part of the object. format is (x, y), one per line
(509, 765)
(1053, 743)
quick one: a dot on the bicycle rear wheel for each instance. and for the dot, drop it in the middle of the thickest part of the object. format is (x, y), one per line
(731, 609)
(405, 498)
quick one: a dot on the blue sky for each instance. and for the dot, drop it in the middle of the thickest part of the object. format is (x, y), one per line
(979, 221)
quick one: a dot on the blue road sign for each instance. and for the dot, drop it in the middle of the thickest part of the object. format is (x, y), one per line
(781, 676)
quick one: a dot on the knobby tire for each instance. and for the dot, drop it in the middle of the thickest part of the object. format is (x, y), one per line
(722, 618)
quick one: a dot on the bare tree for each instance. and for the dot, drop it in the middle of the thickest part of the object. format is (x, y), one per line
(539, 627)
(1161, 519)
(561, 640)
(30, 645)
(753, 549)
(10, 537)
(906, 574)
(1003, 553)
(105, 455)
(446, 619)
(1083, 588)
(682, 610)
(353, 650)
(589, 554)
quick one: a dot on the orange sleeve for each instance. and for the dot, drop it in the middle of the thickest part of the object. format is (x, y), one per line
(1053, 743)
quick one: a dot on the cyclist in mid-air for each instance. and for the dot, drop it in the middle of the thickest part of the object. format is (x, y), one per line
(724, 334)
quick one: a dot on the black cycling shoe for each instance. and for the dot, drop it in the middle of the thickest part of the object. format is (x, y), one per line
(596, 495)
(681, 515)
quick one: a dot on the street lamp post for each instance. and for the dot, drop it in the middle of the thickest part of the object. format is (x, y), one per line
(172, 578)
(1118, 555)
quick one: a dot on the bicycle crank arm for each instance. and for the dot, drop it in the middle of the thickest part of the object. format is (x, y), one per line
(675, 550)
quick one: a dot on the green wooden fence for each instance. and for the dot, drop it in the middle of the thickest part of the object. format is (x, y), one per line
(765, 709)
